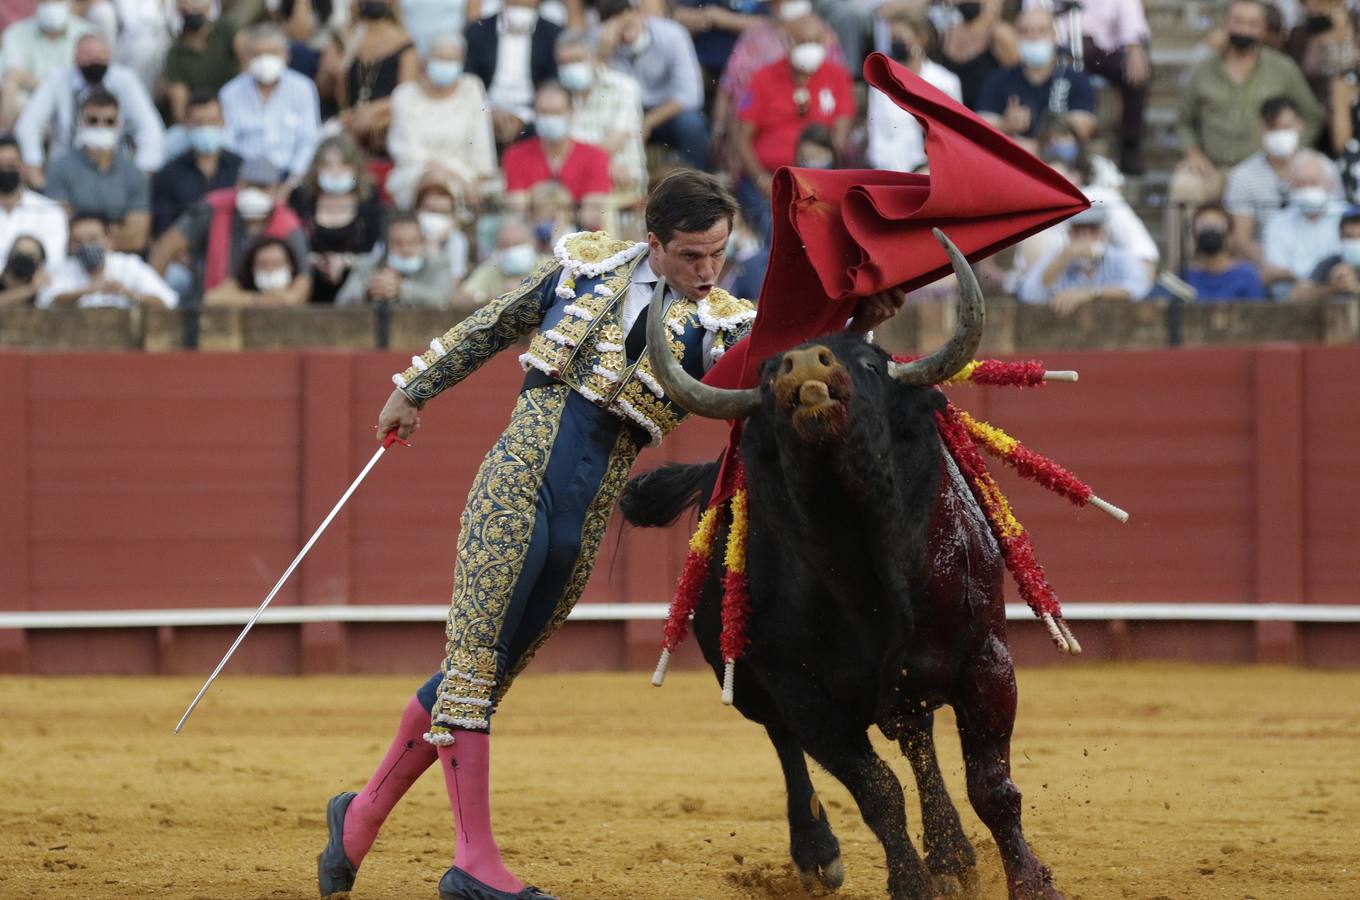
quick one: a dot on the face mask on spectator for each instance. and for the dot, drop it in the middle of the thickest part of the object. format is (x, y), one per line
(10, 180)
(517, 260)
(551, 128)
(405, 265)
(253, 203)
(1210, 241)
(443, 72)
(543, 232)
(1350, 251)
(336, 182)
(98, 137)
(22, 266)
(795, 9)
(576, 77)
(970, 9)
(373, 10)
(520, 18)
(93, 73)
(1318, 23)
(808, 58)
(1280, 142)
(1309, 200)
(90, 256)
(206, 139)
(272, 279)
(822, 158)
(52, 17)
(1064, 150)
(1242, 41)
(267, 67)
(436, 226)
(1035, 54)
(194, 21)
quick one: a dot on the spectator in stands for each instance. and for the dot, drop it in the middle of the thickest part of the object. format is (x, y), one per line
(215, 232)
(403, 271)
(512, 53)
(54, 108)
(264, 276)
(745, 263)
(896, 142)
(817, 149)
(362, 66)
(97, 275)
(1307, 230)
(143, 37)
(606, 110)
(1221, 102)
(31, 49)
(1339, 273)
(1258, 186)
(714, 26)
(24, 275)
(441, 128)
(98, 178)
(975, 42)
(1215, 273)
(426, 18)
(270, 110)
(1057, 139)
(514, 258)
(1087, 269)
(1018, 99)
(340, 212)
(552, 213)
(204, 167)
(551, 155)
(785, 97)
(24, 212)
(435, 208)
(1114, 37)
(308, 25)
(659, 54)
(1323, 44)
(203, 58)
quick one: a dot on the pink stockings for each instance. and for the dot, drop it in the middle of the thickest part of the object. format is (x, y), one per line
(467, 771)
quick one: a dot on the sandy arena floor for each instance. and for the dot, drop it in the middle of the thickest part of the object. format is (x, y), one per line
(1146, 782)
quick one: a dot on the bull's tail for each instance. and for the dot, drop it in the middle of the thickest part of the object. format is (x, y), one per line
(657, 498)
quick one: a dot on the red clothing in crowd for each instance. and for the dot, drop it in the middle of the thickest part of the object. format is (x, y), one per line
(770, 105)
(584, 171)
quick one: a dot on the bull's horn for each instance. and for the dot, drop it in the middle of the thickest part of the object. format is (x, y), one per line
(695, 396)
(953, 356)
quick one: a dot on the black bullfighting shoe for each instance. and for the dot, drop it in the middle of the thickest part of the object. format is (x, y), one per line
(334, 872)
(459, 885)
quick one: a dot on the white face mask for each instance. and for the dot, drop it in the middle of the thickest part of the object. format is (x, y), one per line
(52, 17)
(444, 72)
(808, 58)
(267, 68)
(1350, 251)
(520, 18)
(1309, 200)
(576, 77)
(98, 138)
(405, 265)
(253, 203)
(1280, 143)
(517, 260)
(1098, 248)
(272, 279)
(794, 9)
(1035, 54)
(435, 225)
(551, 128)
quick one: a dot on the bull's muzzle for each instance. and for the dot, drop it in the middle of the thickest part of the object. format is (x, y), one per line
(812, 388)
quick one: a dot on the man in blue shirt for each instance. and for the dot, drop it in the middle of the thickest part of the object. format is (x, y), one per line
(1338, 275)
(1087, 268)
(1018, 99)
(1214, 272)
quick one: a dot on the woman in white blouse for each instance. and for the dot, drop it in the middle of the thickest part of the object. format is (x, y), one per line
(441, 128)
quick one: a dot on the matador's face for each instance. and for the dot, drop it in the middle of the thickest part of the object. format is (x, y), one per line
(691, 260)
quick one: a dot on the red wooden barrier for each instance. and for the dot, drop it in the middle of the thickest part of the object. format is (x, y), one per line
(189, 480)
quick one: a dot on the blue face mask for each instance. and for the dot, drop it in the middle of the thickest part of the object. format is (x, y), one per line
(1065, 151)
(336, 183)
(1035, 54)
(405, 265)
(443, 72)
(206, 139)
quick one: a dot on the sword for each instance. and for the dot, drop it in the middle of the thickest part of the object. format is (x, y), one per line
(388, 441)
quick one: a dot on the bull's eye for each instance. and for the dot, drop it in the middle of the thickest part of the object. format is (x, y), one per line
(787, 366)
(824, 358)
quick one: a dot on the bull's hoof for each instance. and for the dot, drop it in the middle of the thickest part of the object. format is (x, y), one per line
(830, 876)
(962, 886)
(1038, 886)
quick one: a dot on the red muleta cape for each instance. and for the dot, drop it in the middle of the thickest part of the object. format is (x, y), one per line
(841, 235)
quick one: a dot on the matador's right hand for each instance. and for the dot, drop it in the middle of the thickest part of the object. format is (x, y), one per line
(399, 413)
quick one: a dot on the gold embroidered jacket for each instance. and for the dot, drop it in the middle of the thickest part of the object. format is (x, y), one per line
(573, 306)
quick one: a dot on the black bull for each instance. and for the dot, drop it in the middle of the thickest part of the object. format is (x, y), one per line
(876, 597)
